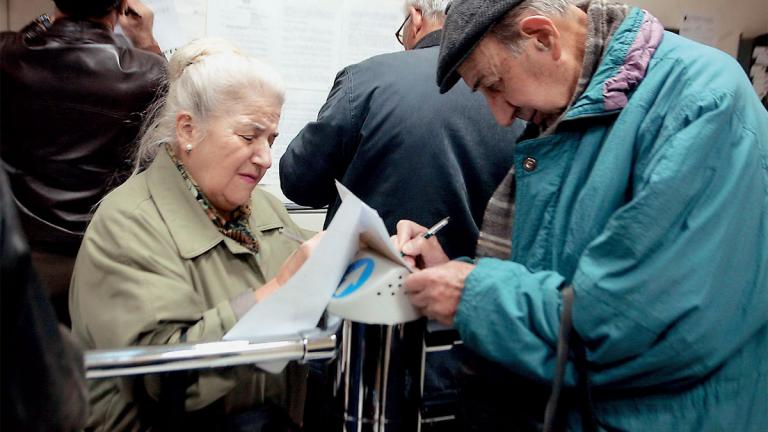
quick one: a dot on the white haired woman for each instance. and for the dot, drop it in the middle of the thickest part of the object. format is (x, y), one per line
(186, 246)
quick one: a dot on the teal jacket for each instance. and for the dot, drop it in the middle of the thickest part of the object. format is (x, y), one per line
(651, 200)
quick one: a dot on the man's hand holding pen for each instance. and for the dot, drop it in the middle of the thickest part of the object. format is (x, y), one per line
(418, 245)
(436, 289)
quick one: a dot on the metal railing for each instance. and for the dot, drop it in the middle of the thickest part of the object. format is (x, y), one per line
(312, 345)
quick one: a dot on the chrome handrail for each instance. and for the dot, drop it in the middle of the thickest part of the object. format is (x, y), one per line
(312, 345)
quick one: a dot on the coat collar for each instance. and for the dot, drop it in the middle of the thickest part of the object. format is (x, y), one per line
(190, 228)
(429, 40)
(80, 30)
(623, 67)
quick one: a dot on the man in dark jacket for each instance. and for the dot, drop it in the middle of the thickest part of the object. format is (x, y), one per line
(72, 101)
(388, 135)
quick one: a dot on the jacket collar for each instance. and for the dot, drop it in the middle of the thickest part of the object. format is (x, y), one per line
(190, 228)
(623, 67)
(429, 40)
(80, 30)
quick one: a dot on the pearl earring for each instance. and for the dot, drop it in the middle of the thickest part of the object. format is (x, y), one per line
(188, 148)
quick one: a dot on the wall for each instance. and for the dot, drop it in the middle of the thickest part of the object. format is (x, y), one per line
(20, 12)
(4, 15)
(747, 17)
(734, 17)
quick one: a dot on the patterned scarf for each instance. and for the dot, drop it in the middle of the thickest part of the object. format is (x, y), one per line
(237, 228)
(603, 19)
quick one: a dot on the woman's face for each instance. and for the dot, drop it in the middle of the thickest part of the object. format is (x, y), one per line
(235, 152)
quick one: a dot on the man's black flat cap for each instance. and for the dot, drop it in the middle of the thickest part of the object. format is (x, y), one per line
(467, 21)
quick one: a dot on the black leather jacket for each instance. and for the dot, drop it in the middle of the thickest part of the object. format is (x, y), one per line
(72, 103)
(42, 381)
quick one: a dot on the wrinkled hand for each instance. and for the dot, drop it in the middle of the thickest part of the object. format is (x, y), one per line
(137, 22)
(290, 266)
(436, 291)
(419, 252)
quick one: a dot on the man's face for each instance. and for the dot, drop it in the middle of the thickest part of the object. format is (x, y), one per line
(526, 86)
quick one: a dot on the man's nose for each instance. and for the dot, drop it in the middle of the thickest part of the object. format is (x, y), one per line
(502, 111)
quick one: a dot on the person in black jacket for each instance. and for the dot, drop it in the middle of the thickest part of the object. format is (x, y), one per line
(72, 101)
(42, 381)
(387, 134)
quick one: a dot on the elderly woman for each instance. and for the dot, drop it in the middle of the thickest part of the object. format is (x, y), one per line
(186, 246)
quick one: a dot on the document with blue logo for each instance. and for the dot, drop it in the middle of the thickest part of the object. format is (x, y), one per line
(298, 305)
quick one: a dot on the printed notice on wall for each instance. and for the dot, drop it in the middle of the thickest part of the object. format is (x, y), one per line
(166, 27)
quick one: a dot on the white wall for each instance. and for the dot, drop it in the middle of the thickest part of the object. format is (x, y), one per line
(734, 17)
(747, 17)
(4, 15)
(20, 12)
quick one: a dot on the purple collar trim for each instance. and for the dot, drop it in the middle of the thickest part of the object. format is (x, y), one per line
(616, 89)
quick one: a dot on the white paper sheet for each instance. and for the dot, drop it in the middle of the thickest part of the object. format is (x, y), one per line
(759, 75)
(760, 54)
(192, 17)
(167, 28)
(298, 305)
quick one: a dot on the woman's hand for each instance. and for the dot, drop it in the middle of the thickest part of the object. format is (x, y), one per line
(298, 258)
(290, 267)
(418, 251)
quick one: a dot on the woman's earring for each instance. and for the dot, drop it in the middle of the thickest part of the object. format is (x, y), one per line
(188, 148)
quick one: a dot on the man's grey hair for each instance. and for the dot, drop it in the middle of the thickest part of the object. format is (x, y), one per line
(507, 30)
(432, 9)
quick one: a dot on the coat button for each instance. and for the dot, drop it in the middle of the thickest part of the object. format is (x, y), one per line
(529, 164)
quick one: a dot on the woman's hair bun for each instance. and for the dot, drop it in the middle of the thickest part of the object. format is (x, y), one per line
(196, 52)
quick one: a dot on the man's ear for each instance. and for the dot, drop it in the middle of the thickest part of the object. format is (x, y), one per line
(417, 19)
(543, 34)
(185, 131)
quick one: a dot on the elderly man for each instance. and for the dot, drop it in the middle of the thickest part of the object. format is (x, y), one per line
(638, 215)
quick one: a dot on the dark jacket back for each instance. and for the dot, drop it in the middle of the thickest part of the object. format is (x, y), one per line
(72, 103)
(410, 153)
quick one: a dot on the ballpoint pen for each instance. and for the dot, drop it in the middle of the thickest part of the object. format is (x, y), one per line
(433, 230)
(436, 227)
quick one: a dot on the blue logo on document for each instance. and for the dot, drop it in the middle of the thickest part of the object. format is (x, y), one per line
(367, 265)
